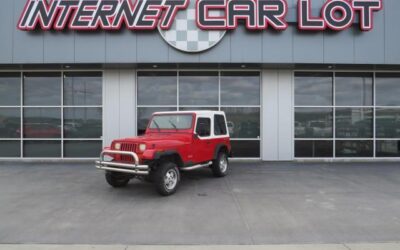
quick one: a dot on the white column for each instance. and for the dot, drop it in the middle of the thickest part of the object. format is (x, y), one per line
(119, 104)
(277, 115)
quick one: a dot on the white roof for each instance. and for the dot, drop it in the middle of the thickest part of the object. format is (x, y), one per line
(197, 112)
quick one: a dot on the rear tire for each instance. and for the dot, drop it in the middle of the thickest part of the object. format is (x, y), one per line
(167, 178)
(220, 165)
(117, 180)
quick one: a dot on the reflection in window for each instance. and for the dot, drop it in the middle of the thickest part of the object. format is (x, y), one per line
(82, 89)
(42, 123)
(236, 93)
(354, 148)
(144, 115)
(354, 123)
(10, 89)
(42, 149)
(313, 123)
(388, 148)
(387, 89)
(10, 122)
(313, 89)
(243, 122)
(240, 88)
(42, 89)
(82, 123)
(157, 88)
(387, 123)
(354, 89)
(198, 88)
(313, 149)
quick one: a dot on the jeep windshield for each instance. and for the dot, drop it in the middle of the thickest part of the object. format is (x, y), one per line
(175, 122)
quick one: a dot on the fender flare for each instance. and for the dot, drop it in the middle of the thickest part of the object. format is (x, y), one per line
(159, 155)
(218, 148)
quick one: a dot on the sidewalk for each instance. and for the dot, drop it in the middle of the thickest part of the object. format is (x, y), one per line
(370, 246)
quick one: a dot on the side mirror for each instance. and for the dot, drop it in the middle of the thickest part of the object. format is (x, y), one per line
(195, 136)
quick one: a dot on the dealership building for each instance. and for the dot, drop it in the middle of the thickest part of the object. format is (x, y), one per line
(312, 80)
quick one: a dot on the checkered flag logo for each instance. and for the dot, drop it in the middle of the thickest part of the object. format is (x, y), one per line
(184, 34)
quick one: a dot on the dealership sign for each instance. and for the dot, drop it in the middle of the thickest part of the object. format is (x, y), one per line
(193, 25)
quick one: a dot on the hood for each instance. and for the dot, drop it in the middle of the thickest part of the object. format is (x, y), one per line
(160, 139)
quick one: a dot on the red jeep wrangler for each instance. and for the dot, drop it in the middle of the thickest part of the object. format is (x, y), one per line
(173, 142)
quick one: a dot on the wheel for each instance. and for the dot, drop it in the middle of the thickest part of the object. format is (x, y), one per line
(167, 178)
(117, 180)
(220, 165)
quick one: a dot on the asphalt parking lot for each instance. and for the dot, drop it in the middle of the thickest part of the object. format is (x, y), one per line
(258, 203)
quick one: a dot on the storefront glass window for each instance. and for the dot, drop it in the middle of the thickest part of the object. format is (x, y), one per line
(10, 149)
(362, 128)
(42, 123)
(83, 89)
(314, 149)
(313, 89)
(313, 123)
(354, 148)
(48, 118)
(388, 123)
(42, 149)
(388, 148)
(236, 93)
(354, 89)
(82, 123)
(198, 88)
(240, 88)
(151, 84)
(354, 123)
(10, 89)
(387, 89)
(42, 89)
(10, 122)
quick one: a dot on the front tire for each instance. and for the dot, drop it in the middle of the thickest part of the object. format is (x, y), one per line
(167, 178)
(117, 180)
(220, 165)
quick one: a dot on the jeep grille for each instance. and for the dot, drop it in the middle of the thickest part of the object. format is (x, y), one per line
(131, 147)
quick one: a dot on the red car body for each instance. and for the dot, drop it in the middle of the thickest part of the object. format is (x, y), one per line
(188, 140)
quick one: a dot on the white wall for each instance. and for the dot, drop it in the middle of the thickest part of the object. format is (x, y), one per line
(277, 115)
(119, 104)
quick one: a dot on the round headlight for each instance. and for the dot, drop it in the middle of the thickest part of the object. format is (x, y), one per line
(117, 146)
(142, 147)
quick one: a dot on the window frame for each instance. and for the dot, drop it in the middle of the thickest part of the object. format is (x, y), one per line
(21, 107)
(218, 107)
(210, 127)
(374, 107)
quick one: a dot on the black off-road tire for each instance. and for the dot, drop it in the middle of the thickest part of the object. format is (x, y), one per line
(220, 165)
(117, 180)
(165, 174)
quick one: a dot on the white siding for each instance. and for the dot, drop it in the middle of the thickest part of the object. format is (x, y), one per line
(277, 115)
(119, 104)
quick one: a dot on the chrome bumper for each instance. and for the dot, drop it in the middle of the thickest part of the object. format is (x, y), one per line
(129, 168)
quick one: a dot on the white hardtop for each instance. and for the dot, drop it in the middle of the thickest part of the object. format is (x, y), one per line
(197, 112)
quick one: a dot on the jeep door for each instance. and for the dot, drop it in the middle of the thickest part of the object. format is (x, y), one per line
(202, 142)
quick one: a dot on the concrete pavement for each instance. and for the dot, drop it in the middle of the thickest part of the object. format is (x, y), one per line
(365, 246)
(258, 203)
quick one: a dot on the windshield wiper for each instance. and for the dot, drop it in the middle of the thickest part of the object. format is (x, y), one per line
(173, 125)
(158, 126)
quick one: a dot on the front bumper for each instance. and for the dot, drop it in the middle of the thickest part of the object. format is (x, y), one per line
(122, 167)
